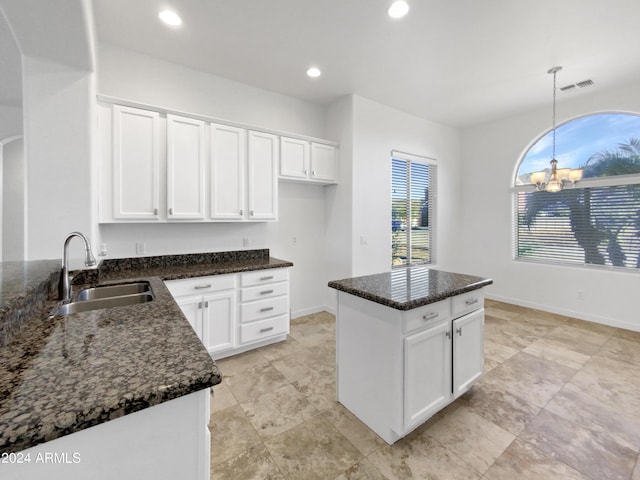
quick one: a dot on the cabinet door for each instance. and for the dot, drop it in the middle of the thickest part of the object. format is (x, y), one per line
(185, 168)
(135, 163)
(228, 158)
(219, 321)
(262, 176)
(468, 351)
(192, 309)
(323, 162)
(294, 158)
(427, 373)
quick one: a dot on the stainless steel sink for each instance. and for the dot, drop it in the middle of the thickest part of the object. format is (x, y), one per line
(97, 298)
(112, 291)
(97, 304)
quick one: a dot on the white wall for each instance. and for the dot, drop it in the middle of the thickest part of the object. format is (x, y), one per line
(302, 208)
(132, 76)
(491, 153)
(13, 200)
(10, 121)
(378, 129)
(59, 110)
(338, 252)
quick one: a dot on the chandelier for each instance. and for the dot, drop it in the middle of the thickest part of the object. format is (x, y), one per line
(559, 178)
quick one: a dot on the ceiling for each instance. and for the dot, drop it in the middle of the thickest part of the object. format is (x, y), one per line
(459, 62)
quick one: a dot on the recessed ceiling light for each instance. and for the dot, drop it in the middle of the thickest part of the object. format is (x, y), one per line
(314, 72)
(398, 9)
(170, 18)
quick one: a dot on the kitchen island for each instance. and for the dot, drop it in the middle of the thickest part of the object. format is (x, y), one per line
(408, 343)
(113, 393)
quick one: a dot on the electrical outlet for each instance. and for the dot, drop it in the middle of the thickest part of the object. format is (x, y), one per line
(102, 250)
(294, 241)
(141, 248)
(580, 295)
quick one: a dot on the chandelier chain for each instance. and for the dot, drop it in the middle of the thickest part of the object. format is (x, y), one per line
(553, 156)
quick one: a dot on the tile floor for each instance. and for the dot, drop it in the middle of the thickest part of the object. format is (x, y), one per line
(560, 399)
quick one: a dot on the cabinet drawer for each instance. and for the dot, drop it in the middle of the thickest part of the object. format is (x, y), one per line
(264, 291)
(264, 329)
(260, 277)
(200, 285)
(260, 309)
(467, 302)
(425, 316)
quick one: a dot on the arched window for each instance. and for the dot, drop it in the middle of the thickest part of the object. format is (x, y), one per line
(596, 221)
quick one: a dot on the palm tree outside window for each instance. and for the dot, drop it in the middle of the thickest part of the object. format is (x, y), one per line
(597, 223)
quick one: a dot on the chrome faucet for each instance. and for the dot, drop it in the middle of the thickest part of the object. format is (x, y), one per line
(65, 278)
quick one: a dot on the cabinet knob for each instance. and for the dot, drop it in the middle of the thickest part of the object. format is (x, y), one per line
(459, 331)
(251, 213)
(155, 211)
(171, 211)
(448, 333)
(241, 212)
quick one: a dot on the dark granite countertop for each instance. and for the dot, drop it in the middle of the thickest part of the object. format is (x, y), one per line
(63, 374)
(410, 287)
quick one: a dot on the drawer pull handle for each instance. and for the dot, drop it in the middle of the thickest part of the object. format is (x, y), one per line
(266, 329)
(459, 331)
(472, 301)
(430, 316)
(200, 287)
(266, 309)
(269, 277)
(266, 292)
(448, 334)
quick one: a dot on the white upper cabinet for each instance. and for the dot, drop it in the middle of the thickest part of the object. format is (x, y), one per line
(162, 167)
(304, 161)
(228, 172)
(262, 176)
(323, 162)
(294, 158)
(135, 163)
(185, 168)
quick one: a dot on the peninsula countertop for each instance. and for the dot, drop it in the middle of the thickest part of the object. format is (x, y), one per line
(410, 287)
(63, 374)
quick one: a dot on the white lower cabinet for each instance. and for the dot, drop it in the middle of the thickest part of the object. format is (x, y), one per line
(212, 318)
(236, 312)
(427, 373)
(397, 368)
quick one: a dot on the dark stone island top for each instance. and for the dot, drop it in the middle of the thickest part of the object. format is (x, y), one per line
(410, 287)
(63, 374)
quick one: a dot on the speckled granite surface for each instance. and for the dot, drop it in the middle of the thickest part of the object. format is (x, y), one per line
(411, 287)
(64, 374)
(173, 267)
(23, 286)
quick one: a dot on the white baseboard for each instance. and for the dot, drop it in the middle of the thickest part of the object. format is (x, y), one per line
(568, 313)
(312, 310)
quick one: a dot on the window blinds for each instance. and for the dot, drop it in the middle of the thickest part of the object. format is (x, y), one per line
(413, 189)
(581, 226)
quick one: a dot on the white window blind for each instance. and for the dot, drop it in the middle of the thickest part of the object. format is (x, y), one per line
(597, 225)
(413, 193)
